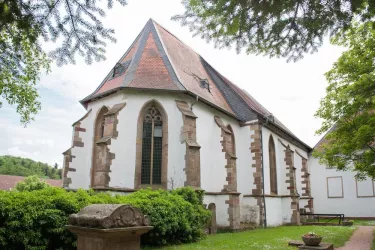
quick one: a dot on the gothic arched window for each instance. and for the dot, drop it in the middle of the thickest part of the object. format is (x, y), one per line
(272, 164)
(96, 179)
(152, 147)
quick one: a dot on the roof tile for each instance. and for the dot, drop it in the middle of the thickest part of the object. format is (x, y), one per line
(151, 71)
(8, 182)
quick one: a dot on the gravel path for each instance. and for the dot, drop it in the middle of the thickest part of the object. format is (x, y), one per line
(360, 240)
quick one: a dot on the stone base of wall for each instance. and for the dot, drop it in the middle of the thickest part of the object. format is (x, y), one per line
(241, 228)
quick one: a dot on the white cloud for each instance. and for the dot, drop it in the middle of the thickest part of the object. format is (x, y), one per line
(16, 151)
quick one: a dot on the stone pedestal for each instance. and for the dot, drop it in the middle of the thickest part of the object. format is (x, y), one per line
(322, 246)
(109, 239)
(109, 227)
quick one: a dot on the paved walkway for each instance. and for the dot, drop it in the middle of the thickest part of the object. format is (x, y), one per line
(360, 240)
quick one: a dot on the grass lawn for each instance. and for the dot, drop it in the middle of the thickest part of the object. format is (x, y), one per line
(271, 238)
(364, 222)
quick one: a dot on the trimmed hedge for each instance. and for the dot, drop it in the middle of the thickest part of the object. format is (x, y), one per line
(37, 219)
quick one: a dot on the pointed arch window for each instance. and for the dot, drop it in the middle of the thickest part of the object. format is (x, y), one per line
(272, 165)
(97, 177)
(152, 147)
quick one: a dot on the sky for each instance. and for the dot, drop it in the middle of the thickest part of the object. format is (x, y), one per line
(290, 91)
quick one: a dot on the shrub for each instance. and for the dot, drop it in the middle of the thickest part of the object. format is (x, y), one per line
(31, 183)
(174, 217)
(36, 219)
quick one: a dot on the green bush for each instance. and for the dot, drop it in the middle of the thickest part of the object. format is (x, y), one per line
(175, 218)
(37, 219)
(31, 183)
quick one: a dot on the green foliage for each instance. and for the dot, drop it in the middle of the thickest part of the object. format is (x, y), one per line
(288, 28)
(349, 105)
(75, 24)
(37, 219)
(21, 61)
(31, 183)
(176, 219)
(11, 165)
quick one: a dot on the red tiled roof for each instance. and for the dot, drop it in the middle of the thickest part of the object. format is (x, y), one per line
(8, 182)
(159, 60)
(189, 68)
(151, 71)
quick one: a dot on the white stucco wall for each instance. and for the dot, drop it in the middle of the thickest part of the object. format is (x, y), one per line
(278, 209)
(222, 217)
(213, 171)
(274, 211)
(248, 212)
(350, 204)
(82, 157)
(286, 211)
(124, 147)
(280, 162)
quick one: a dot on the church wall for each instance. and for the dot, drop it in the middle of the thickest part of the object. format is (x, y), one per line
(120, 168)
(212, 158)
(280, 162)
(274, 211)
(222, 217)
(286, 211)
(213, 172)
(249, 210)
(80, 156)
(279, 209)
(298, 166)
(213, 162)
(124, 147)
(348, 197)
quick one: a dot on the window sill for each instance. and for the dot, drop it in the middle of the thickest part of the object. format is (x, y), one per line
(154, 186)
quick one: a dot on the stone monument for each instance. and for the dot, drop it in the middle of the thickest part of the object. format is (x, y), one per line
(109, 227)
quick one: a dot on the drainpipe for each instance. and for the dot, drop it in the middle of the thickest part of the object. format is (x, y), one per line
(264, 197)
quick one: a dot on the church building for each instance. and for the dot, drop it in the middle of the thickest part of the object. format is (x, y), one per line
(165, 118)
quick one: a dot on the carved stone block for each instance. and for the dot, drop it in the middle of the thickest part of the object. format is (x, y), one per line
(109, 227)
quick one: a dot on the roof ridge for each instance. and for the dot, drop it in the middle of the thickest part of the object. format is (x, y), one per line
(150, 28)
(161, 26)
(166, 53)
(224, 81)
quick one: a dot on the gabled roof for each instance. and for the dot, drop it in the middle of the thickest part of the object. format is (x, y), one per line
(158, 60)
(8, 182)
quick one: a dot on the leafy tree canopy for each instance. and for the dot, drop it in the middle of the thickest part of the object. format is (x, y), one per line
(75, 26)
(288, 28)
(11, 165)
(21, 61)
(349, 105)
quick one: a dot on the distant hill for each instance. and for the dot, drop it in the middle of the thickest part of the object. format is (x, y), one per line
(11, 165)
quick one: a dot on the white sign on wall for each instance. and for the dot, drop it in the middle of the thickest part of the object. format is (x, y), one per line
(335, 187)
(365, 188)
